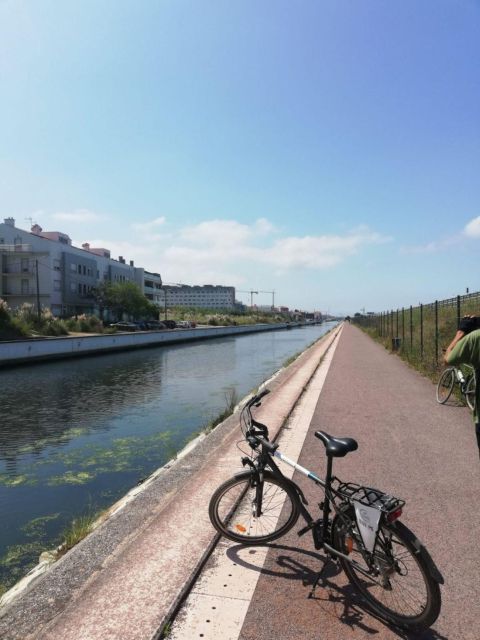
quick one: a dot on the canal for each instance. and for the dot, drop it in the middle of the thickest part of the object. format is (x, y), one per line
(77, 435)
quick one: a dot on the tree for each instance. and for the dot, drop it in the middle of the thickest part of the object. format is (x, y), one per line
(124, 298)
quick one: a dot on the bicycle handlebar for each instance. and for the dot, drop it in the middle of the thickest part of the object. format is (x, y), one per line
(256, 399)
(255, 440)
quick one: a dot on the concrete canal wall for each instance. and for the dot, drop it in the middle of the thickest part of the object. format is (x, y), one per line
(38, 349)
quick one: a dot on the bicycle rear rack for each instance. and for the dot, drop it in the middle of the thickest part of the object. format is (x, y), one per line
(369, 497)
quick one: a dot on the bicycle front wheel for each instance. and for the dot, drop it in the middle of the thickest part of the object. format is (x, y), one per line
(470, 393)
(400, 588)
(251, 513)
(445, 385)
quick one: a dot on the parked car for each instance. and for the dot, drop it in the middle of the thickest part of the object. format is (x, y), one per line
(170, 324)
(124, 326)
(142, 325)
(155, 325)
(184, 324)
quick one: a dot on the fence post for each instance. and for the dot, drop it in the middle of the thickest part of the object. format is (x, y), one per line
(421, 332)
(458, 311)
(436, 333)
(391, 323)
(411, 327)
(403, 325)
(396, 332)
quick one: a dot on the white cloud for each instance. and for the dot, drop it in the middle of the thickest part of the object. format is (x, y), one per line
(217, 233)
(319, 252)
(224, 251)
(78, 215)
(472, 229)
(429, 247)
(231, 246)
(149, 226)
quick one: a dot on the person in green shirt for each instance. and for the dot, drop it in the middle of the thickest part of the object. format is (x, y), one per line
(465, 349)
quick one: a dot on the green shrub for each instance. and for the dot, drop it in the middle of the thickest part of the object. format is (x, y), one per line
(9, 328)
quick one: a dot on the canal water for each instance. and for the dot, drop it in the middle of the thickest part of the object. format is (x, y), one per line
(77, 435)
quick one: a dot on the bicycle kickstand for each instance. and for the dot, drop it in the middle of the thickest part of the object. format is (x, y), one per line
(319, 577)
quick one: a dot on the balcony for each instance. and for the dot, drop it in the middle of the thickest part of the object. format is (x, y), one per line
(15, 248)
(16, 271)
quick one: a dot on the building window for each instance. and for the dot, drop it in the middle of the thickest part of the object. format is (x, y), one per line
(25, 287)
(79, 288)
(79, 268)
(25, 266)
(57, 285)
(56, 264)
(73, 267)
(73, 287)
(84, 270)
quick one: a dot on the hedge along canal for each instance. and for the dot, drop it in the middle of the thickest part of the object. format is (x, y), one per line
(77, 435)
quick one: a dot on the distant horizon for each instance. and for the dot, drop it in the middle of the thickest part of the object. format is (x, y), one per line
(329, 152)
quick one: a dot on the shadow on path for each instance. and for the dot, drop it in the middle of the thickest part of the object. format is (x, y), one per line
(287, 563)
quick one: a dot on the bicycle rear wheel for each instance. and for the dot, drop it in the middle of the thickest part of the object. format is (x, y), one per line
(403, 592)
(445, 385)
(470, 393)
(233, 508)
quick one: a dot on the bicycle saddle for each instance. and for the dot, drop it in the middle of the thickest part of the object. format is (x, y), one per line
(336, 447)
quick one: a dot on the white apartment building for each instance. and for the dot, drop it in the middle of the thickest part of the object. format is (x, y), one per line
(207, 296)
(42, 267)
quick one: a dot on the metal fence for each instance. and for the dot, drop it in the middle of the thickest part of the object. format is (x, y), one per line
(420, 332)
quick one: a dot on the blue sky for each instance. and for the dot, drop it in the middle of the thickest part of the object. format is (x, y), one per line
(327, 150)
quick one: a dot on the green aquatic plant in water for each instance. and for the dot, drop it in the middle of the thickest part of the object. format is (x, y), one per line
(15, 481)
(85, 464)
(71, 477)
(18, 559)
(36, 528)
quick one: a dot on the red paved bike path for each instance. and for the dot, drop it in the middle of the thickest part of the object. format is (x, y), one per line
(408, 446)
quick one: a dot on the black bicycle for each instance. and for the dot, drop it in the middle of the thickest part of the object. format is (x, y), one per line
(466, 383)
(359, 526)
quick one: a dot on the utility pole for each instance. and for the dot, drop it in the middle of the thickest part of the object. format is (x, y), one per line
(38, 289)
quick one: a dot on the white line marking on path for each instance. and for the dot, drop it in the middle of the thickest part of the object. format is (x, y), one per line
(219, 601)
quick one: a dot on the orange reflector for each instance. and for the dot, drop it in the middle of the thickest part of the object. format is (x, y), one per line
(349, 544)
(240, 528)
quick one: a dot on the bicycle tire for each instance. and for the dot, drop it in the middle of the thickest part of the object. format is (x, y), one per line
(376, 594)
(445, 385)
(231, 509)
(470, 393)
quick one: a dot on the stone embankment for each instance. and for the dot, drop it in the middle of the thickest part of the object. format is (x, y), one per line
(39, 349)
(127, 577)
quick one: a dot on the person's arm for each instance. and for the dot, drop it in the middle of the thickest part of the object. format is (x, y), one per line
(458, 336)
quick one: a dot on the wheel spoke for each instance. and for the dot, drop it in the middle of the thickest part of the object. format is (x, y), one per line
(236, 507)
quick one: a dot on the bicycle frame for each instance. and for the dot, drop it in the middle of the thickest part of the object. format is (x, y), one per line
(257, 436)
(323, 538)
